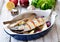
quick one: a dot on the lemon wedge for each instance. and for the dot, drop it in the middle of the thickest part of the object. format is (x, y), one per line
(10, 5)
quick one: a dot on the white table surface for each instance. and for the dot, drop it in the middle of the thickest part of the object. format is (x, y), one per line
(52, 36)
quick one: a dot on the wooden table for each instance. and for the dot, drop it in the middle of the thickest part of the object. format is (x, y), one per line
(52, 36)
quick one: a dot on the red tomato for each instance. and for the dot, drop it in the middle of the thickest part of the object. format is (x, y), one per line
(24, 3)
(14, 1)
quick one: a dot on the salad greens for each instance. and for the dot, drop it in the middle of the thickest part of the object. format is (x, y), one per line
(43, 4)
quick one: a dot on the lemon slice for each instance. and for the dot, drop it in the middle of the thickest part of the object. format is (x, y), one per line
(10, 5)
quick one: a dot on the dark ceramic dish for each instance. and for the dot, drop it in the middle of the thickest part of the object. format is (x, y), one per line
(26, 37)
